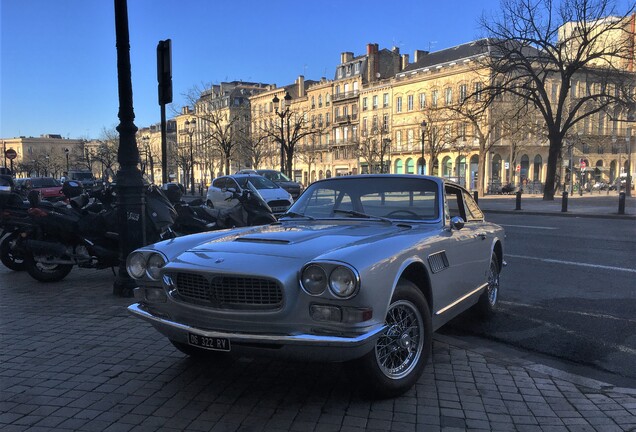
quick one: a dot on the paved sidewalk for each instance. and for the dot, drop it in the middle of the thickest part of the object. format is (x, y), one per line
(601, 205)
(71, 358)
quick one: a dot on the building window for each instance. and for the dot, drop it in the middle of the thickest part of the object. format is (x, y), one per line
(409, 139)
(313, 102)
(434, 97)
(375, 102)
(327, 99)
(398, 104)
(340, 73)
(356, 68)
(364, 104)
(448, 96)
(398, 140)
(409, 102)
(478, 91)
(422, 101)
(328, 119)
(462, 93)
(364, 126)
(385, 122)
(337, 90)
(385, 100)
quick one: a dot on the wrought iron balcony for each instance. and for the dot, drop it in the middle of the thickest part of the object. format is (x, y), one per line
(345, 95)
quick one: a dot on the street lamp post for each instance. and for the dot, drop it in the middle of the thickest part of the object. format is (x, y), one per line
(190, 125)
(628, 179)
(423, 140)
(284, 115)
(66, 151)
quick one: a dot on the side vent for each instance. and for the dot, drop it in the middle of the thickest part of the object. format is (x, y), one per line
(438, 261)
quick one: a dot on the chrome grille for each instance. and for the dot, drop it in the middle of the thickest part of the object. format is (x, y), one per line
(220, 291)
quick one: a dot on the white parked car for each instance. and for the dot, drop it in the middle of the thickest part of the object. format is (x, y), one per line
(220, 192)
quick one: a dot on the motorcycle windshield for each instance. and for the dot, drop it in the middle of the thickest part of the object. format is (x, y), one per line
(160, 209)
(257, 197)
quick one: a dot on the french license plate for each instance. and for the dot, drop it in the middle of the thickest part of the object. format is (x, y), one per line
(278, 209)
(211, 343)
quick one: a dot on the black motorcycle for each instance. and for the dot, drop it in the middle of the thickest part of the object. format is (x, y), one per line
(60, 237)
(195, 217)
(13, 217)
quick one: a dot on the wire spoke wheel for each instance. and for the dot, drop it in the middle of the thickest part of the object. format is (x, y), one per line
(493, 283)
(399, 349)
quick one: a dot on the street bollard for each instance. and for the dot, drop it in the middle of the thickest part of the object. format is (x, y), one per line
(564, 202)
(621, 203)
(518, 201)
(476, 196)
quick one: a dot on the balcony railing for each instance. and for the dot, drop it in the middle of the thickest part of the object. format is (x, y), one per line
(345, 95)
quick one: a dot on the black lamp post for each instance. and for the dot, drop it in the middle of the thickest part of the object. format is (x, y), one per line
(190, 125)
(130, 185)
(423, 140)
(628, 179)
(66, 152)
(284, 115)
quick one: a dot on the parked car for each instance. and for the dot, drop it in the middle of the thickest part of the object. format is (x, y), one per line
(361, 269)
(85, 177)
(221, 189)
(294, 188)
(49, 187)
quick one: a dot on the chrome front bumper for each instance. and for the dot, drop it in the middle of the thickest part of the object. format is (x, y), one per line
(357, 345)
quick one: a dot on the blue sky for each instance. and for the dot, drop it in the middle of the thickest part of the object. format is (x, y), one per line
(58, 65)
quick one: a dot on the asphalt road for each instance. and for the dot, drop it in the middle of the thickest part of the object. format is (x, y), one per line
(569, 291)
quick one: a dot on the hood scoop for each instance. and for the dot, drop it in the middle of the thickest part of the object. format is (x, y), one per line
(250, 239)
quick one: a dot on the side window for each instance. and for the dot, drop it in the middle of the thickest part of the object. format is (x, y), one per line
(473, 212)
(231, 183)
(219, 183)
(454, 203)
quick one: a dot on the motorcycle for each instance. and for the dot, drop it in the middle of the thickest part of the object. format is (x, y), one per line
(13, 216)
(194, 217)
(60, 237)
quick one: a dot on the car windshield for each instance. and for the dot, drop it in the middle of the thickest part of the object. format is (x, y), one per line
(44, 182)
(275, 176)
(381, 197)
(258, 182)
(82, 176)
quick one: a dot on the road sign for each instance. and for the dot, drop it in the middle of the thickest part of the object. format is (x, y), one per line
(518, 168)
(11, 154)
(583, 164)
(506, 165)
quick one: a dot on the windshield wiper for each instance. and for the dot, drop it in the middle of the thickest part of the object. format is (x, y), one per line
(296, 215)
(362, 215)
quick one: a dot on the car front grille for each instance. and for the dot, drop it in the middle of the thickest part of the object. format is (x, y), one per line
(229, 292)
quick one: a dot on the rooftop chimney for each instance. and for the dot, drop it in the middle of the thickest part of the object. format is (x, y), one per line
(301, 86)
(405, 61)
(419, 55)
(346, 57)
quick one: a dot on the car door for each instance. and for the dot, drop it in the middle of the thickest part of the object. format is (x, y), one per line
(464, 250)
(216, 194)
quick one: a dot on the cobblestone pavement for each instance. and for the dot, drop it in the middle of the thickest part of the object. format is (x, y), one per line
(71, 358)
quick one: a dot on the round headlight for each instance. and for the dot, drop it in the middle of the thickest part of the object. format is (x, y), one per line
(314, 279)
(155, 262)
(136, 265)
(343, 281)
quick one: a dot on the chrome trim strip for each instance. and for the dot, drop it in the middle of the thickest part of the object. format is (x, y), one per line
(137, 310)
(441, 311)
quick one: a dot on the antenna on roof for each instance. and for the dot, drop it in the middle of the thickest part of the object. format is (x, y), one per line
(431, 44)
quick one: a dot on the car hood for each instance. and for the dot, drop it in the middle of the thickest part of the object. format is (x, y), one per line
(303, 241)
(274, 194)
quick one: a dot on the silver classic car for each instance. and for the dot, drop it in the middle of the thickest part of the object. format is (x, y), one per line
(361, 269)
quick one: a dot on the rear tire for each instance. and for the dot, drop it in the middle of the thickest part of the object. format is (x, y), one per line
(9, 257)
(488, 301)
(209, 204)
(400, 354)
(47, 272)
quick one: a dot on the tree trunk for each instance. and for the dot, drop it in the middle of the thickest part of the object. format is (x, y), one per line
(553, 157)
(481, 172)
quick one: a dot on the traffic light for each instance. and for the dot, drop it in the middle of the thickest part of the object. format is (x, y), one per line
(164, 71)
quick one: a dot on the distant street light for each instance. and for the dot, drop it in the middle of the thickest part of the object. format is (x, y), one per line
(66, 151)
(190, 125)
(423, 140)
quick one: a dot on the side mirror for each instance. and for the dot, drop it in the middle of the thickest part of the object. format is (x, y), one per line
(457, 223)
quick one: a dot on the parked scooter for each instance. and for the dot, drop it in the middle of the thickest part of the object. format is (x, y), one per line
(59, 238)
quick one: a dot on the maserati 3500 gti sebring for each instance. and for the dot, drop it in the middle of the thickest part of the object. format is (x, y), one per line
(361, 270)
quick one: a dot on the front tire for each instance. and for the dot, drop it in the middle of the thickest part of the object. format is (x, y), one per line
(400, 354)
(488, 302)
(47, 272)
(8, 255)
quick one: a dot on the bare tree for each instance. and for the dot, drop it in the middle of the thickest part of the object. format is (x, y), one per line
(565, 59)
(106, 153)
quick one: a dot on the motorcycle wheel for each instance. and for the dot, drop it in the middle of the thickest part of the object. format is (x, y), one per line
(47, 272)
(8, 256)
